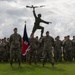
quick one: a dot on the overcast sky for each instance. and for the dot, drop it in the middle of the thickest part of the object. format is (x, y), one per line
(13, 13)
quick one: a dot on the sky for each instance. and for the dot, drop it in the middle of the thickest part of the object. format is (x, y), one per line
(13, 13)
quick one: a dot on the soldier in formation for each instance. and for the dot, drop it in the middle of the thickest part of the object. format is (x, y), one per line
(57, 49)
(68, 47)
(15, 47)
(40, 49)
(48, 43)
(32, 53)
(73, 40)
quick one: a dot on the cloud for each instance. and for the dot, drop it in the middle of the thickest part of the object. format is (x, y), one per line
(61, 13)
(8, 0)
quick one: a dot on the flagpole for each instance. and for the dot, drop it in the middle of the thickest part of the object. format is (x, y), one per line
(25, 42)
(26, 54)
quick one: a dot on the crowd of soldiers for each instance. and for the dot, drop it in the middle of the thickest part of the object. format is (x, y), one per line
(53, 50)
(4, 50)
(41, 50)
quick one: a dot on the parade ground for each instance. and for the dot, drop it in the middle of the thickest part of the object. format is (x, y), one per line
(63, 68)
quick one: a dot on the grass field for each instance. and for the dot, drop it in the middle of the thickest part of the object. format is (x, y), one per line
(64, 68)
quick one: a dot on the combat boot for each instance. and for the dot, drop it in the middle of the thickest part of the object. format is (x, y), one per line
(43, 64)
(10, 63)
(52, 64)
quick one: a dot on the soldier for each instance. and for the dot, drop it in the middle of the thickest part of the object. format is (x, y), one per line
(32, 56)
(15, 47)
(38, 20)
(57, 49)
(40, 49)
(68, 45)
(48, 43)
(1, 53)
(5, 53)
(8, 49)
(64, 50)
(37, 41)
(73, 40)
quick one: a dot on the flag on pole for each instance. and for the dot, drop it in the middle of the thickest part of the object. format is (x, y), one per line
(25, 42)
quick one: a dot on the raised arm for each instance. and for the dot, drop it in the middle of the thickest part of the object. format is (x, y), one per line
(34, 13)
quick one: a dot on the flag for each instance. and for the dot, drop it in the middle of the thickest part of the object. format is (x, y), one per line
(25, 42)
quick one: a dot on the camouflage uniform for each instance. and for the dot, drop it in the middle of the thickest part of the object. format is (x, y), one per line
(47, 42)
(39, 50)
(64, 50)
(32, 53)
(5, 58)
(57, 50)
(15, 48)
(68, 46)
(73, 48)
(1, 51)
(8, 50)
